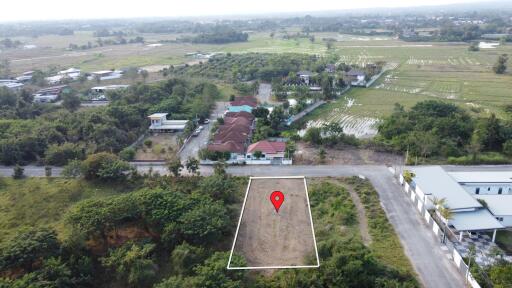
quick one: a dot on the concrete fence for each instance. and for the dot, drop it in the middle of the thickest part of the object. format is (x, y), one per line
(417, 201)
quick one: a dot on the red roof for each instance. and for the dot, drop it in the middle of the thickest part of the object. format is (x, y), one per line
(229, 146)
(243, 114)
(267, 147)
(237, 120)
(231, 136)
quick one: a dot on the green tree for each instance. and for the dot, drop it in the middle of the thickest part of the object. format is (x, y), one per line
(73, 169)
(104, 166)
(313, 135)
(257, 154)
(186, 256)
(277, 117)
(61, 154)
(322, 155)
(192, 165)
(70, 101)
(501, 64)
(127, 154)
(27, 248)
(132, 264)
(18, 172)
(213, 273)
(174, 165)
(507, 148)
(220, 187)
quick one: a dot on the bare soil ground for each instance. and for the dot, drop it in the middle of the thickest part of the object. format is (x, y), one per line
(164, 146)
(266, 238)
(307, 155)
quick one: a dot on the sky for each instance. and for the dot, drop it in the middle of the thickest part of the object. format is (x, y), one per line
(16, 10)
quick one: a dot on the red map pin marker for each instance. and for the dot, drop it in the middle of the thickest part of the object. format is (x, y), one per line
(277, 199)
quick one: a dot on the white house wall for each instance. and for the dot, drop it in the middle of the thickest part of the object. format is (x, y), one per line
(487, 188)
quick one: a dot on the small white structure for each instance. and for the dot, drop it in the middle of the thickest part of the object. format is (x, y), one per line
(106, 75)
(72, 73)
(11, 84)
(305, 76)
(160, 124)
(103, 89)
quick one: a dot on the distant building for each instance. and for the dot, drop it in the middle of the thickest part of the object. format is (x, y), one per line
(106, 75)
(356, 77)
(11, 84)
(330, 68)
(160, 124)
(48, 95)
(103, 89)
(243, 104)
(305, 76)
(25, 77)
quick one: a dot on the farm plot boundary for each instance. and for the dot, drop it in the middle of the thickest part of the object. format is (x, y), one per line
(229, 267)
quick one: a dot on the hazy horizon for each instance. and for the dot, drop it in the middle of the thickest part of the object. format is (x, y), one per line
(96, 9)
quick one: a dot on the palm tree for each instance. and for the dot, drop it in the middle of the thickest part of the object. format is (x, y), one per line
(408, 175)
(445, 212)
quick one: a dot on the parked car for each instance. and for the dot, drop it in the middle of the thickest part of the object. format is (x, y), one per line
(206, 121)
(196, 132)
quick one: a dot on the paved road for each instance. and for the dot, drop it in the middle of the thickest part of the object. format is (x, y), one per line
(200, 141)
(265, 93)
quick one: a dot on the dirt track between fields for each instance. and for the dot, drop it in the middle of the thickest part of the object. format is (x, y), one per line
(267, 238)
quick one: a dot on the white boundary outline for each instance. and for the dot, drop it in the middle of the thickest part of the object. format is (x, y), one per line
(240, 221)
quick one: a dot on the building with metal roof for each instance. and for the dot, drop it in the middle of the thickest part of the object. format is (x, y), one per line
(471, 211)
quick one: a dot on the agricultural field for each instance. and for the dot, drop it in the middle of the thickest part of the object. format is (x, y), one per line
(442, 71)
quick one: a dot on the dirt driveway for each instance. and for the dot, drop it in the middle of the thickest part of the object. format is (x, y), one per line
(307, 155)
(269, 239)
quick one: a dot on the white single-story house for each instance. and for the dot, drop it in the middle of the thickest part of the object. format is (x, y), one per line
(356, 77)
(11, 84)
(103, 89)
(160, 124)
(106, 75)
(271, 153)
(461, 192)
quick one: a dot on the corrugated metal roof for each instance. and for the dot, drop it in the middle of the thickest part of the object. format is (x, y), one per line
(482, 177)
(499, 205)
(433, 180)
(475, 220)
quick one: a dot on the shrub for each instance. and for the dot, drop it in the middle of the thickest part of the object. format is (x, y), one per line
(127, 154)
(487, 158)
(148, 142)
(104, 166)
(60, 155)
(18, 172)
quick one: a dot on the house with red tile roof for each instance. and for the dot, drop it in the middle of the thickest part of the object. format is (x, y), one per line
(270, 153)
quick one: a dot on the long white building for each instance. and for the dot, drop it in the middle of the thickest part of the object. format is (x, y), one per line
(480, 201)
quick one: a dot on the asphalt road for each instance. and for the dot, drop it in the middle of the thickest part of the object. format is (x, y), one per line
(423, 249)
(200, 141)
(265, 93)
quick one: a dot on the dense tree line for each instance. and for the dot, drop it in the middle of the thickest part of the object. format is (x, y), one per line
(435, 128)
(42, 132)
(218, 35)
(254, 66)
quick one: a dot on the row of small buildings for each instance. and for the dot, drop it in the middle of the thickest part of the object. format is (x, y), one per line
(70, 74)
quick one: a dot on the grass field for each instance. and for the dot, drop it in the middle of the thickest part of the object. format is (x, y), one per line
(36, 202)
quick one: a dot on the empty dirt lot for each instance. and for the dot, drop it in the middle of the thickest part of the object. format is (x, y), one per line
(269, 239)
